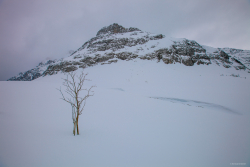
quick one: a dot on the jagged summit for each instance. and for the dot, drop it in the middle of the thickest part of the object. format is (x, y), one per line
(116, 28)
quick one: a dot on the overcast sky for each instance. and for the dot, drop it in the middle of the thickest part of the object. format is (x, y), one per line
(32, 31)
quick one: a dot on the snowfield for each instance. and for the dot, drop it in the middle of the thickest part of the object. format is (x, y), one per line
(143, 114)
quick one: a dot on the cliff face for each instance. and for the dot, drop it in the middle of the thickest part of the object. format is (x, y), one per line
(114, 43)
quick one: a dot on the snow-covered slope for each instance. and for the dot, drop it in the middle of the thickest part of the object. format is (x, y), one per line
(143, 113)
(116, 43)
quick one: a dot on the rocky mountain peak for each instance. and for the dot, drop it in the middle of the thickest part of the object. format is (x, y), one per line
(115, 43)
(115, 28)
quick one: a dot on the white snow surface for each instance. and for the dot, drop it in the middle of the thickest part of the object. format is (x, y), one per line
(143, 114)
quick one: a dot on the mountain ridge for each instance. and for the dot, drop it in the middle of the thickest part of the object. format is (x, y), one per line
(114, 43)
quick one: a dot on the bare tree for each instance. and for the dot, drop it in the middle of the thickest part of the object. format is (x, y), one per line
(74, 86)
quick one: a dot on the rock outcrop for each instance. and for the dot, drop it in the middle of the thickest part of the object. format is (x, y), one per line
(115, 28)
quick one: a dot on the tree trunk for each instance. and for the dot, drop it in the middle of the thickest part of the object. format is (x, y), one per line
(74, 129)
(77, 125)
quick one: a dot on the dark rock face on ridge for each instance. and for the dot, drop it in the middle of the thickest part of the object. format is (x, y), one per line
(116, 43)
(33, 73)
(115, 28)
(186, 52)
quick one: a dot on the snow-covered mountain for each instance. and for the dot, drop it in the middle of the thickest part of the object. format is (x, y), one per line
(116, 43)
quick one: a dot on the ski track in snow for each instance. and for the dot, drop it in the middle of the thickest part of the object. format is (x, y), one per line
(198, 104)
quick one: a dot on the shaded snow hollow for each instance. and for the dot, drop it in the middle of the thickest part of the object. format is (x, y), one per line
(122, 126)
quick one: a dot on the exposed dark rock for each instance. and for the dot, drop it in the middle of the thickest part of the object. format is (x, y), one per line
(31, 74)
(159, 57)
(69, 68)
(188, 62)
(63, 66)
(203, 61)
(187, 48)
(77, 56)
(88, 60)
(83, 66)
(112, 61)
(186, 52)
(27, 76)
(200, 62)
(159, 36)
(168, 60)
(240, 67)
(109, 62)
(114, 44)
(76, 63)
(149, 56)
(226, 65)
(126, 55)
(52, 69)
(239, 62)
(223, 55)
(115, 28)
(100, 58)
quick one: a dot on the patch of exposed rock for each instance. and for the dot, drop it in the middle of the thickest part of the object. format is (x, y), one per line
(115, 28)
